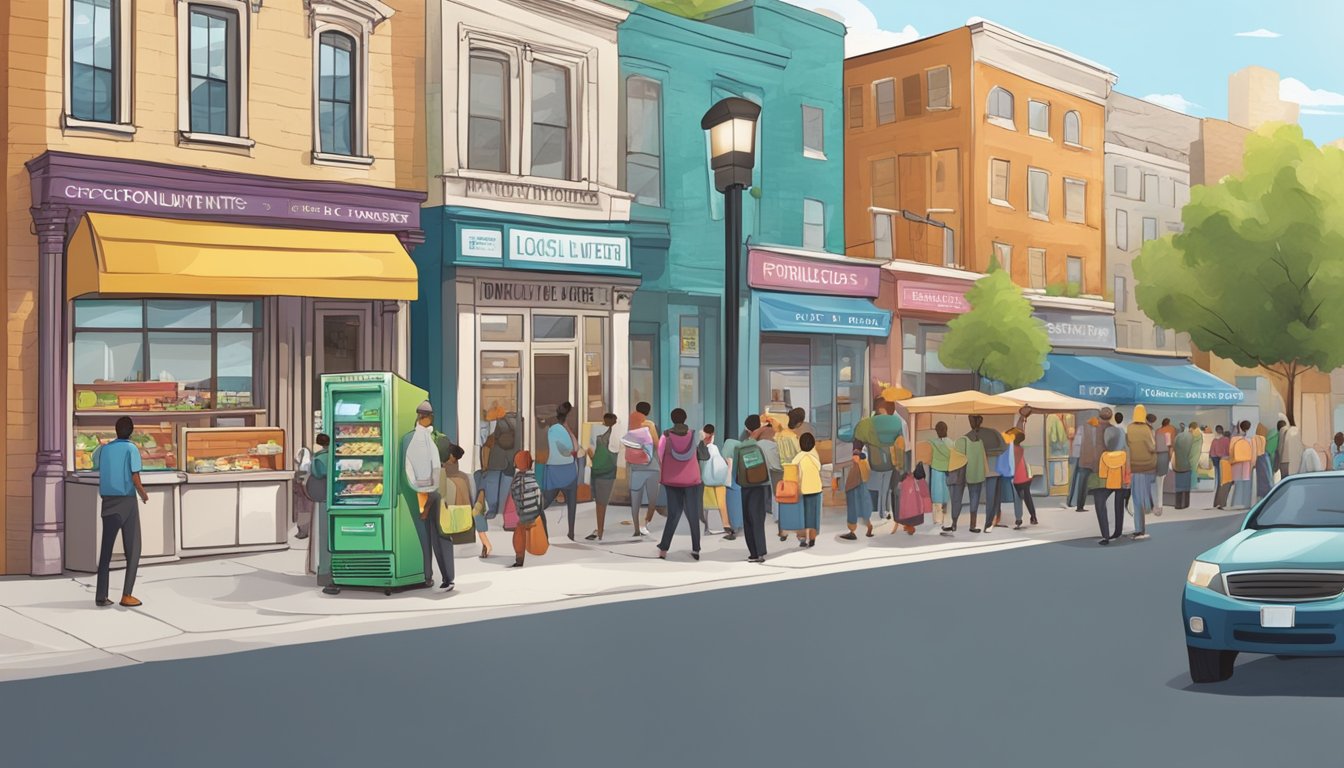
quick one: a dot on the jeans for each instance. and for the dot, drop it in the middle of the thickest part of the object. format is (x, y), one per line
(879, 490)
(755, 502)
(682, 501)
(571, 502)
(121, 515)
(975, 490)
(812, 511)
(1217, 462)
(496, 490)
(993, 499)
(643, 491)
(1078, 496)
(1023, 496)
(856, 506)
(1143, 489)
(432, 542)
(1099, 497)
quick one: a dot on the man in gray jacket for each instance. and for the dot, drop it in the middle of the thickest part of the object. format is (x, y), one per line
(1089, 457)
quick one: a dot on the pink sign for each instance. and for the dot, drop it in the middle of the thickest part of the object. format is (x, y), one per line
(931, 297)
(766, 269)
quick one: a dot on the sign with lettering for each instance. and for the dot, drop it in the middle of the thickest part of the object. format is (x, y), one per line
(519, 293)
(690, 341)
(846, 317)
(1067, 329)
(569, 250)
(931, 297)
(766, 269)
(513, 190)
(137, 198)
(482, 243)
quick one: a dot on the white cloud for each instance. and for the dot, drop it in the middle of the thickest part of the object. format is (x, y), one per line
(1173, 101)
(863, 35)
(1327, 112)
(1261, 32)
(1292, 89)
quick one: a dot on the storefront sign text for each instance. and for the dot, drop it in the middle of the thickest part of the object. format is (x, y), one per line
(1077, 330)
(569, 250)
(542, 294)
(510, 190)
(690, 341)
(482, 243)
(930, 297)
(144, 199)
(779, 272)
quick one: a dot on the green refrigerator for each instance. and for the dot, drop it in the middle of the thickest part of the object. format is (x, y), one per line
(372, 536)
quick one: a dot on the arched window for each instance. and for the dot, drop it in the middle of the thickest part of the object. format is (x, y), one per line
(337, 116)
(1001, 104)
(1073, 128)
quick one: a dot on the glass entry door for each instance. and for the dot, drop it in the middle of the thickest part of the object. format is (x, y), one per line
(552, 384)
(344, 341)
(851, 401)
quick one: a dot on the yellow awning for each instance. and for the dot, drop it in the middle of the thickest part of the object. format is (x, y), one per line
(138, 255)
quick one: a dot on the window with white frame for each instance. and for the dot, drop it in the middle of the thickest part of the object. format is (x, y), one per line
(1038, 118)
(999, 174)
(1120, 180)
(1073, 128)
(814, 132)
(882, 245)
(1122, 229)
(1180, 194)
(1150, 188)
(940, 88)
(814, 224)
(884, 94)
(1073, 266)
(1075, 200)
(1121, 290)
(341, 30)
(488, 111)
(97, 66)
(1036, 267)
(1003, 253)
(1038, 192)
(215, 71)
(1159, 337)
(1149, 229)
(854, 108)
(1000, 107)
(644, 139)
(552, 143)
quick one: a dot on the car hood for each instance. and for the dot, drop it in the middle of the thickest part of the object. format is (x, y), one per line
(1280, 548)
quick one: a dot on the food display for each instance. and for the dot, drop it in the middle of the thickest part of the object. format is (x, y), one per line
(359, 449)
(158, 450)
(148, 396)
(253, 449)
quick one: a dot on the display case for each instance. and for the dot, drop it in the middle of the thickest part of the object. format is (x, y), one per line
(233, 450)
(359, 448)
(143, 396)
(157, 444)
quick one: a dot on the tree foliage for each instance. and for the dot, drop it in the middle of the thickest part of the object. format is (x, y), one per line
(998, 338)
(1257, 274)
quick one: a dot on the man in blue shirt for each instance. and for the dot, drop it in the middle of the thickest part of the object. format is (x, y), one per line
(118, 465)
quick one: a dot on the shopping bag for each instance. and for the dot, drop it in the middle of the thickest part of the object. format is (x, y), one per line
(790, 515)
(466, 537)
(538, 538)
(915, 501)
(510, 512)
(454, 519)
(735, 507)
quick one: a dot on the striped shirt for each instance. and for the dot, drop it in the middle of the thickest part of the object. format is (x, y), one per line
(526, 496)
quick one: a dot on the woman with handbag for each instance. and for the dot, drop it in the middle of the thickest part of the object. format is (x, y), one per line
(457, 488)
(526, 496)
(562, 467)
(714, 476)
(940, 457)
(603, 472)
(809, 488)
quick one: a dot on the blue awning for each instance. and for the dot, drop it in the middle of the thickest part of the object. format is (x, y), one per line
(1128, 380)
(801, 313)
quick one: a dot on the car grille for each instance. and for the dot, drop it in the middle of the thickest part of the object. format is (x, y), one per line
(1285, 585)
(1288, 638)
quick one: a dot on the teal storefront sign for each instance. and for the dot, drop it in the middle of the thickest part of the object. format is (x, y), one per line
(782, 313)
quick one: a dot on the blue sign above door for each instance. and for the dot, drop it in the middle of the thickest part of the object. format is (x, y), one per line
(797, 313)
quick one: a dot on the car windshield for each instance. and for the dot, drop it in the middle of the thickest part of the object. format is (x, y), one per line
(1316, 502)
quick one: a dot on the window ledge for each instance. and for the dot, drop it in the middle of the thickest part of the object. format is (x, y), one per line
(188, 138)
(814, 154)
(1041, 134)
(1075, 221)
(1072, 145)
(92, 127)
(1039, 216)
(1001, 122)
(328, 158)
(939, 109)
(1002, 203)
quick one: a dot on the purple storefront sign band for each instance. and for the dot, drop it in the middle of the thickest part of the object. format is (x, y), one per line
(144, 199)
(766, 269)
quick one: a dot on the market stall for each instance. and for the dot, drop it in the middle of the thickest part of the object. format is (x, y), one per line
(1050, 431)
(922, 413)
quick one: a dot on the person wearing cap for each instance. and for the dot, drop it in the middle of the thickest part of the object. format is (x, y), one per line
(423, 468)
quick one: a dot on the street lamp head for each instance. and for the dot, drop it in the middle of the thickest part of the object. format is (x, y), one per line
(732, 141)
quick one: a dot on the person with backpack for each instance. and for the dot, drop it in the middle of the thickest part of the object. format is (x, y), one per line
(770, 449)
(315, 488)
(714, 475)
(809, 486)
(751, 473)
(878, 435)
(527, 500)
(562, 466)
(1113, 477)
(856, 497)
(603, 470)
(497, 452)
(680, 478)
(640, 447)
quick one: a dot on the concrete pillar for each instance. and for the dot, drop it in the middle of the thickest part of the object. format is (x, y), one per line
(48, 535)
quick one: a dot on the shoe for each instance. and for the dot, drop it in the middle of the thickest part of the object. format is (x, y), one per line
(1157, 512)
(644, 531)
(1017, 526)
(447, 586)
(949, 528)
(331, 590)
(712, 532)
(946, 533)
(1104, 542)
(783, 538)
(102, 602)
(300, 536)
(592, 537)
(1116, 535)
(870, 531)
(662, 555)
(516, 564)
(570, 535)
(851, 536)
(695, 556)
(1140, 537)
(811, 542)
(975, 530)
(988, 528)
(130, 602)
(1034, 521)
(730, 537)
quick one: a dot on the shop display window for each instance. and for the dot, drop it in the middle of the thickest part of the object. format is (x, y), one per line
(216, 450)
(157, 444)
(358, 449)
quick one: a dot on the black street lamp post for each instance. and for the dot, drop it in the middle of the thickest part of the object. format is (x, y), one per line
(732, 146)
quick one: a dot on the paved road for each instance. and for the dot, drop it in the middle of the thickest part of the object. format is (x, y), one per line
(1058, 655)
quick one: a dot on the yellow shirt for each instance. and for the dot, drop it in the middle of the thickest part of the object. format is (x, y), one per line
(809, 472)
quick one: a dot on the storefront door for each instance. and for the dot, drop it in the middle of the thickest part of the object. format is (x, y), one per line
(851, 402)
(344, 336)
(552, 384)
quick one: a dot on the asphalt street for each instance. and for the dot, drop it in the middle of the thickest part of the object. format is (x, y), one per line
(1056, 655)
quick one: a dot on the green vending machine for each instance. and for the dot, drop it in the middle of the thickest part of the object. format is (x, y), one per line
(373, 538)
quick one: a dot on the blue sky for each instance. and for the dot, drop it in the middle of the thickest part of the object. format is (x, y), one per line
(1181, 50)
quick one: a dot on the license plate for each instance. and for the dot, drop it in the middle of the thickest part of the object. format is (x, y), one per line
(1278, 616)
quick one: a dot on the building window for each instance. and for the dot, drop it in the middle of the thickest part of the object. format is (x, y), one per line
(814, 133)
(1073, 128)
(855, 106)
(949, 247)
(1036, 267)
(1149, 229)
(1038, 118)
(884, 183)
(644, 140)
(1180, 194)
(214, 88)
(1122, 335)
(1122, 229)
(1150, 188)
(95, 88)
(999, 171)
(488, 112)
(913, 96)
(1000, 107)
(1120, 180)
(550, 121)
(337, 113)
(885, 96)
(1121, 297)
(882, 245)
(940, 88)
(1074, 272)
(814, 224)
(1003, 253)
(1159, 337)
(1038, 192)
(1075, 200)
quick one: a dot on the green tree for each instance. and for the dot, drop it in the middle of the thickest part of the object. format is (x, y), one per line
(998, 338)
(1257, 274)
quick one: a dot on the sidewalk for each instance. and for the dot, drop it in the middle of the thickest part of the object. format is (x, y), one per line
(224, 605)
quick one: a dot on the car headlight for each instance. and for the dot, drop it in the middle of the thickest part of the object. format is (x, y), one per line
(1202, 574)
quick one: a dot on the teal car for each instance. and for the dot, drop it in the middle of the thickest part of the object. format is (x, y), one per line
(1276, 586)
